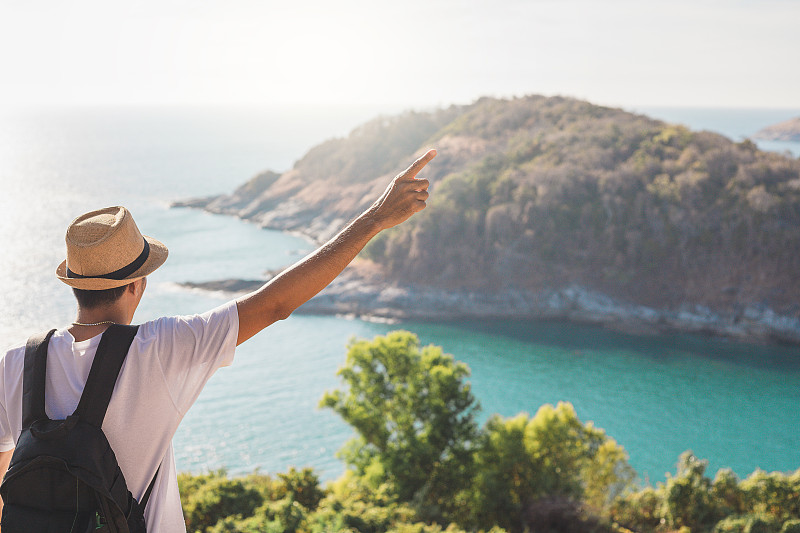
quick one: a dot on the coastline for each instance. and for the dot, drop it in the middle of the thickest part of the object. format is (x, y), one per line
(360, 293)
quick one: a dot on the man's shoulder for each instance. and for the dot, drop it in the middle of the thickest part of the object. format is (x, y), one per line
(14, 356)
(224, 315)
(17, 347)
(203, 342)
(14, 353)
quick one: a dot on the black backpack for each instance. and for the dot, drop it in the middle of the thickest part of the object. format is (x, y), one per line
(64, 476)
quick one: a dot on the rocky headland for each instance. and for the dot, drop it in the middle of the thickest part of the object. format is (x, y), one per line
(788, 130)
(551, 208)
(358, 292)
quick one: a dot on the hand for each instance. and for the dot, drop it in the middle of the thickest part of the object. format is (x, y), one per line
(404, 196)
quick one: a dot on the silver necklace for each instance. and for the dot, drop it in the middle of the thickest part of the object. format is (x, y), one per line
(95, 324)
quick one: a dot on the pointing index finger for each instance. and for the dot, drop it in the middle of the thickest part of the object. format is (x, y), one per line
(418, 165)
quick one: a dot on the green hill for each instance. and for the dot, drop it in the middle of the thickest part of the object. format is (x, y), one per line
(540, 193)
(562, 191)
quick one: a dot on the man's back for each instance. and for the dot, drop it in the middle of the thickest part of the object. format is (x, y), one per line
(167, 366)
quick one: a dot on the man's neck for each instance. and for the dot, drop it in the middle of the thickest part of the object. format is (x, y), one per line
(92, 322)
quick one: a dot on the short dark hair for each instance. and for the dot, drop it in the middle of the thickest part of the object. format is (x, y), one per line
(91, 299)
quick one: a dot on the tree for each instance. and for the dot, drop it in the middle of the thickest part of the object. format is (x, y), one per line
(212, 497)
(552, 456)
(688, 497)
(414, 414)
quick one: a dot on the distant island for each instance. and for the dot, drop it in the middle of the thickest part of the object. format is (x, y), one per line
(551, 207)
(788, 130)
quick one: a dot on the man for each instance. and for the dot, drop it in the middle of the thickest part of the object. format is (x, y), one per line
(171, 358)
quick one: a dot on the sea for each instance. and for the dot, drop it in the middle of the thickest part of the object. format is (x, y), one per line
(734, 404)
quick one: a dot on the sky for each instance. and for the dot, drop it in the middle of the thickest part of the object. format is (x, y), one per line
(416, 53)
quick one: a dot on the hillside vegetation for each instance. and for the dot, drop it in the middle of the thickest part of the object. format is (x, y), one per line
(540, 192)
(563, 191)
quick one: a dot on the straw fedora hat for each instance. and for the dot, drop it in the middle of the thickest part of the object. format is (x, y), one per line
(105, 250)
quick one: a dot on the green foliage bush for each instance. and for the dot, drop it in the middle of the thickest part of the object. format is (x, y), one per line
(772, 493)
(552, 455)
(299, 486)
(641, 509)
(687, 496)
(212, 503)
(420, 464)
(208, 499)
(764, 502)
(727, 493)
(414, 416)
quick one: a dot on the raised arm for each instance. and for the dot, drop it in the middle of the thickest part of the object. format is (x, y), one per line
(279, 297)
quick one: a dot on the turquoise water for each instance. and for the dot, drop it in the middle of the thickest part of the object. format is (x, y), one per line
(736, 405)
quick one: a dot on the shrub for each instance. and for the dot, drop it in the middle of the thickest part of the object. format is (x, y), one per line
(300, 486)
(772, 493)
(216, 497)
(523, 460)
(687, 496)
(640, 509)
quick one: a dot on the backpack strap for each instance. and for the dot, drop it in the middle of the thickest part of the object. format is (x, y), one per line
(111, 352)
(33, 378)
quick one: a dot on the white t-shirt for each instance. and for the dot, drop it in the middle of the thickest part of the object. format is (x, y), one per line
(169, 362)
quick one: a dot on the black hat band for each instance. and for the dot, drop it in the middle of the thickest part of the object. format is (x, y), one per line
(123, 272)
